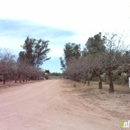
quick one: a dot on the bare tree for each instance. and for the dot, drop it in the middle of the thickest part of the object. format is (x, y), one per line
(112, 57)
(6, 64)
(26, 72)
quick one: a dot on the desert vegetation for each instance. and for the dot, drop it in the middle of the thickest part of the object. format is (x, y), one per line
(104, 58)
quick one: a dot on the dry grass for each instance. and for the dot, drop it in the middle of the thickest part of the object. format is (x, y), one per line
(94, 85)
(117, 102)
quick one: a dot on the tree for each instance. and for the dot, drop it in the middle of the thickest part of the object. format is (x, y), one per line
(63, 64)
(71, 50)
(95, 44)
(96, 68)
(79, 70)
(125, 67)
(111, 59)
(25, 72)
(6, 65)
(85, 52)
(35, 51)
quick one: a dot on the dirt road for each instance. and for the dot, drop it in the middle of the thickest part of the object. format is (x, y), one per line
(46, 105)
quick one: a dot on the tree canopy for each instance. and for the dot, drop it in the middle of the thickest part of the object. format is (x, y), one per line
(35, 51)
(95, 44)
(71, 50)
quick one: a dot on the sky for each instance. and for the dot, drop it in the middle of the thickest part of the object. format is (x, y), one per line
(60, 22)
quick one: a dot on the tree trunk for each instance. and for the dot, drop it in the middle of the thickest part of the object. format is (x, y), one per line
(20, 80)
(85, 81)
(100, 82)
(4, 79)
(126, 79)
(15, 79)
(111, 86)
(88, 81)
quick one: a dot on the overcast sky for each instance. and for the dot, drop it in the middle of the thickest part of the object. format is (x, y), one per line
(60, 22)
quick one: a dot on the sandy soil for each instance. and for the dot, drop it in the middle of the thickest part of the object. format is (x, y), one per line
(56, 105)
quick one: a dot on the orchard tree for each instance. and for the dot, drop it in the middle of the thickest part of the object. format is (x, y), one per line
(24, 72)
(79, 70)
(124, 69)
(94, 46)
(111, 59)
(6, 65)
(97, 68)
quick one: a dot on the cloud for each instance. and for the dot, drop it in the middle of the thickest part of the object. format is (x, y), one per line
(24, 28)
(79, 15)
(14, 32)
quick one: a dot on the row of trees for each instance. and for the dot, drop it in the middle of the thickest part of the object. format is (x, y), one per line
(101, 56)
(27, 66)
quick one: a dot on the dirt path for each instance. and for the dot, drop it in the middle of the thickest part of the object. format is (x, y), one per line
(46, 105)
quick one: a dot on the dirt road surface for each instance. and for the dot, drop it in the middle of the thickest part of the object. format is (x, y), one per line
(46, 105)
